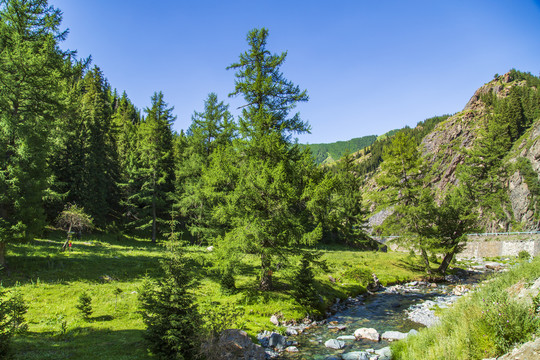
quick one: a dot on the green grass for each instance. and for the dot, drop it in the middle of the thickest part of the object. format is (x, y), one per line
(494, 322)
(52, 281)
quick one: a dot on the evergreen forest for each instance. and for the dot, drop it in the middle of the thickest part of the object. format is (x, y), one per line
(78, 157)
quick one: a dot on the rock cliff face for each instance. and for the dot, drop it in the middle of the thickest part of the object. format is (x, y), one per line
(445, 148)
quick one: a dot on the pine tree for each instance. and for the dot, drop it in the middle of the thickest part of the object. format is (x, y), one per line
(154, 181)
(126, 119)
(351, 213)
(403, 177)
(209, 130)
(262, 208)
(31, 71)
(169, 310)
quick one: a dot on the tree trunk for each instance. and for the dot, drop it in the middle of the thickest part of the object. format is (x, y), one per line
(66, 243)
(446, 260)
(2, 254)
(266, 274)
(154, 209)
(426, 261)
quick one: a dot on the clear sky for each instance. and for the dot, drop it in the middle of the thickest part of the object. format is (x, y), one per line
(368, 66)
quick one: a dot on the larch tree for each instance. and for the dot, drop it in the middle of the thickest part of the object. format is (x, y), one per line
(31, 71)
(210, 129)
(403, 178)
(262, 210)
(156, 169)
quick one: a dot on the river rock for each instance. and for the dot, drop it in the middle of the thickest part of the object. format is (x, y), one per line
(393, 335)
(277, 341)
(235, 344)
(384, 353)
(291, 349)
(210, 248)
(334, 344)
(412, 332)
(337, 327)
(492, 265)
(346, 337)
(355, 355)
(291, 332)
(367, 333)
(274, 320)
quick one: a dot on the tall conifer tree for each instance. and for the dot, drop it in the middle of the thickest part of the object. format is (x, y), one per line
(31, 70)
(209, 130)
(156, 171)
(263, 209)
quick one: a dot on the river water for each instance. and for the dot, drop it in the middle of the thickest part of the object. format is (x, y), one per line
(383, 311)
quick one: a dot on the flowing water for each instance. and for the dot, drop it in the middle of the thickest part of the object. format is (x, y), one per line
(383, 311)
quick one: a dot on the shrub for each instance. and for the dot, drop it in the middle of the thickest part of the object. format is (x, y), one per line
(360, 274)
(227, 281)
(12, 311)
(524, 255)
(169, 312)
(85, 305)
(303, 284)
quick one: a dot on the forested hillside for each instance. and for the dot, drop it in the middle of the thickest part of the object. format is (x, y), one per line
(488, 151)
(68, 137)
(327, 153)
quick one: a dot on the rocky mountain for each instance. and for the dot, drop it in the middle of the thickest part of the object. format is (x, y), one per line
(509, 104)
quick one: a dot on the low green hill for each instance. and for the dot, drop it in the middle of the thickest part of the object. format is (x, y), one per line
(330, 152)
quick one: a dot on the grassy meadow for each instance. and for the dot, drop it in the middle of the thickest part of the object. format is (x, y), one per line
(111, 271)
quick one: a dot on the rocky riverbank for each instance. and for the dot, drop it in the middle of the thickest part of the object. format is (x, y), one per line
(385, 314)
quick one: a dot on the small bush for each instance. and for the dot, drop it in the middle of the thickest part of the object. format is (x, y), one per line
(360, 274)
(304, 282)
(227, 282)
(169, 311)
(217, 317)
(524, 255)
(12, 311)
(84, 305)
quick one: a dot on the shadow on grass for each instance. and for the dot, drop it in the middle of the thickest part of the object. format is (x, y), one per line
(102, 318)
(91, 260)
(81, 343)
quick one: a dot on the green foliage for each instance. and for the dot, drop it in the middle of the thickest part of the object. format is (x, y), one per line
(12, 311)
(84, 305)
(31, 72)
(74, 218)
(334, 151)
(374, 153)
(169, 310)
(262, 207)
(531, 179)
(154, 173)
(358, 273)
(211, 129)
(494, 323)
(226, 280)
(509, 321)
(218, 317)
(304, 290)
(524, 255)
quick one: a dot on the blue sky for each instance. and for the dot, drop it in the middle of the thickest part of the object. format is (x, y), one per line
(368, 66)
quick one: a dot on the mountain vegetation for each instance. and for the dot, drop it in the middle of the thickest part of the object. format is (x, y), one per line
(331, 152)
(76, 154)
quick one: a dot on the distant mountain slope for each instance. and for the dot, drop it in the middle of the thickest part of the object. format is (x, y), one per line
(502, 118)
(326, 153)
(370, 157)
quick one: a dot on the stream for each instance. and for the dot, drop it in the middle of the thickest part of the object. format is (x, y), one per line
(385, 310)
